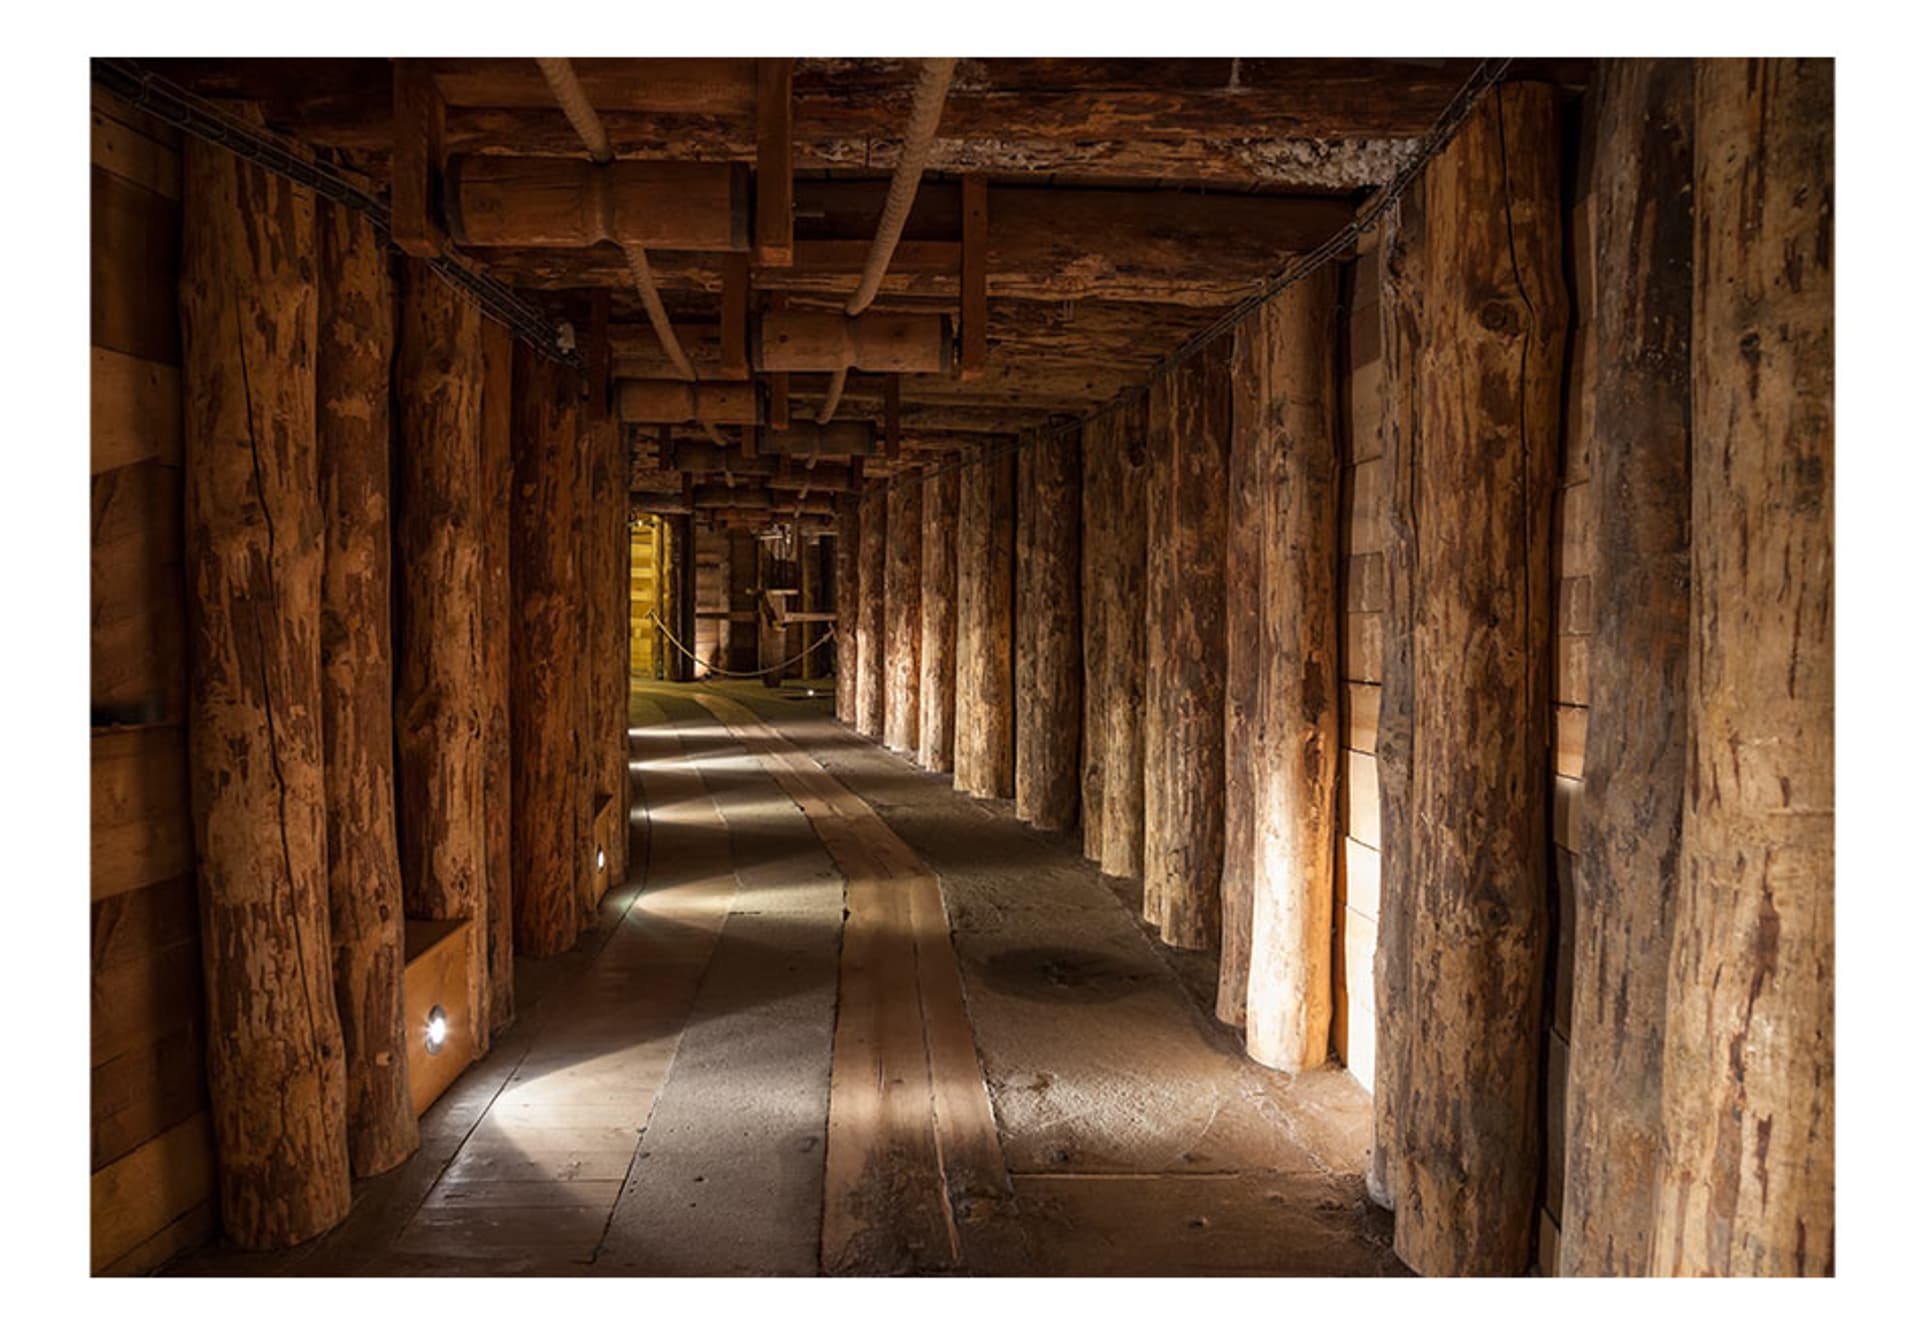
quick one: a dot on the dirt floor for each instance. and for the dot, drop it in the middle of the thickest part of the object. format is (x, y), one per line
(709, 1084)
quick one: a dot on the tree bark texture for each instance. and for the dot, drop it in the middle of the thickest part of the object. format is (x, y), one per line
(351, 360)
(983, 635)
(846, 603)
(1634, 768)
(903, 614)
(939, 523)
(1748, 1073)
(1046, 730)
(1295, 781)
(871, 697)
(1245, 748)
(1186, 827)
(1486, 454)
(1098, 440)
(547, 707)
(1123, 786)
(1156, 718)
(275, 1066)
(439, 736)
(496, 618)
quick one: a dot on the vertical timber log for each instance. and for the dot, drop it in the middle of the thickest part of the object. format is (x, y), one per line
(547, 643)
(983, 636)
(1156, 722)
(438, 727)
(354, 351)
(1097, 538)
(1635, 763)
(902, 721)
(1046, 730)
(939, 517)
(1749, 1065)
(253, 549)
(1186, 827)
(1123, 789)
(870, 696)
(846, 605)
(1488, 385)
(496, 615)
(1295, 795)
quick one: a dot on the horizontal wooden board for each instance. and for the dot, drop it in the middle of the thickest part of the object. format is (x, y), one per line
(1574, 614)
(1357, 1039)
(1565, 897)
(1360, 718)
(1358, 884)
(136, 925)
(1360, 797)
(1556, 1139)
(1366, 582)
(1363, 647)
(1363, 333)
(135, 410)
(1569, 739)
(136, 1003)
(1566, 812)
(1360, 398)
(142, 1092)
(1575, 537)
(138, 604)
(1570, 670)
(140, 1195)
(141, 830)
(1359, 938)
(124, 149)
(436, 974)
(1363, 509)
(135, 269)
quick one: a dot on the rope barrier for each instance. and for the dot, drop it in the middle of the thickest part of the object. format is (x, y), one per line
(698, 661)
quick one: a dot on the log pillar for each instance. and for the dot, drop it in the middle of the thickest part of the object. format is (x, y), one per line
(1295, 779)
(496, 618)
(1487, 441)
(902, 710)
(546, 709)
(983, 615)
(603, 593)
(354, 350)
(1099, 439)
(846, 608)
(1634, 770)
(1747, 1083)
(253, 534)
(1123, 787)
(870, 695)
(939, 518)
(1046, 729)
(1186, 758)
(1157, 506)
(439, 667)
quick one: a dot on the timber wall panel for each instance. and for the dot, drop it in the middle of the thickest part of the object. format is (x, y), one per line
(150, 1142)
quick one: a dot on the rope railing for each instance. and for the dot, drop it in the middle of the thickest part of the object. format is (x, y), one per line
(698, 661)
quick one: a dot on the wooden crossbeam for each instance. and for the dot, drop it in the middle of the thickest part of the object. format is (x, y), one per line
(973, 276)
(773, 163)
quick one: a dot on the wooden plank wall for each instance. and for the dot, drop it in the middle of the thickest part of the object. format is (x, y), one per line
(1362, 544)
(152, 1151)
(645, 548)
(713, 632)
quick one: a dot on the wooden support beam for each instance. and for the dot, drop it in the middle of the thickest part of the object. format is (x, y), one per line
(419, 161)
(892, 410)
(773, 162)
(570, 203)
(597, 337)
(1046, 730)
(496, 619)
(878, 341)
(1123, 786)
(973, 276)
(275, 1072)
(849, 439)
(1635, 764)
(939, 521)
(902, 732)
(1748, 1082)
(1487, 413)
(440, 746)
(684, 403)
(734, 289)
(846, 603)
(353, 352)
(870, 695)
(983, 615)
(1098, 443)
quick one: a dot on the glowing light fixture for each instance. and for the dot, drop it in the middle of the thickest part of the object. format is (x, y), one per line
(436, 1030)
(599, 859)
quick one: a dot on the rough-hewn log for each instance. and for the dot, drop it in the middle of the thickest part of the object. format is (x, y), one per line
(1097, 538)
(439, 741)
(661, 205)
(253, 550)
(607, 583)
(1123, 789)
(878, 341)
(983, 636)
(903, 615)
(496, 618)
(1046, 729)
(1488, 387)
(1748, 1075)
(1636, 748)
(939, 520)
(1157, 505)
(1185, 808)
(354, 351)
(1295, 794)
(683, 402)
(546, 706)
(846, 604)
(870, 695)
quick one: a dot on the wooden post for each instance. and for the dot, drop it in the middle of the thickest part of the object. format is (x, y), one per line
(1157, 504)
(1186, 825)
(983, 635)
(1487, 444)
(890, 402)
(439, 665)
(496, 616)
(605, 660)
(1097, 444)
(973, 276)
(870, 695)
(418, 163)
(547, 642)
(1046, 729)
(903, 614)
(939, 521)
(735, 280)
(846, 604)
(356, 661)
(253, 549)
(1123, 789)
(1748, 1076)
(1636, 748)
(773, 163)
(1295, 797)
